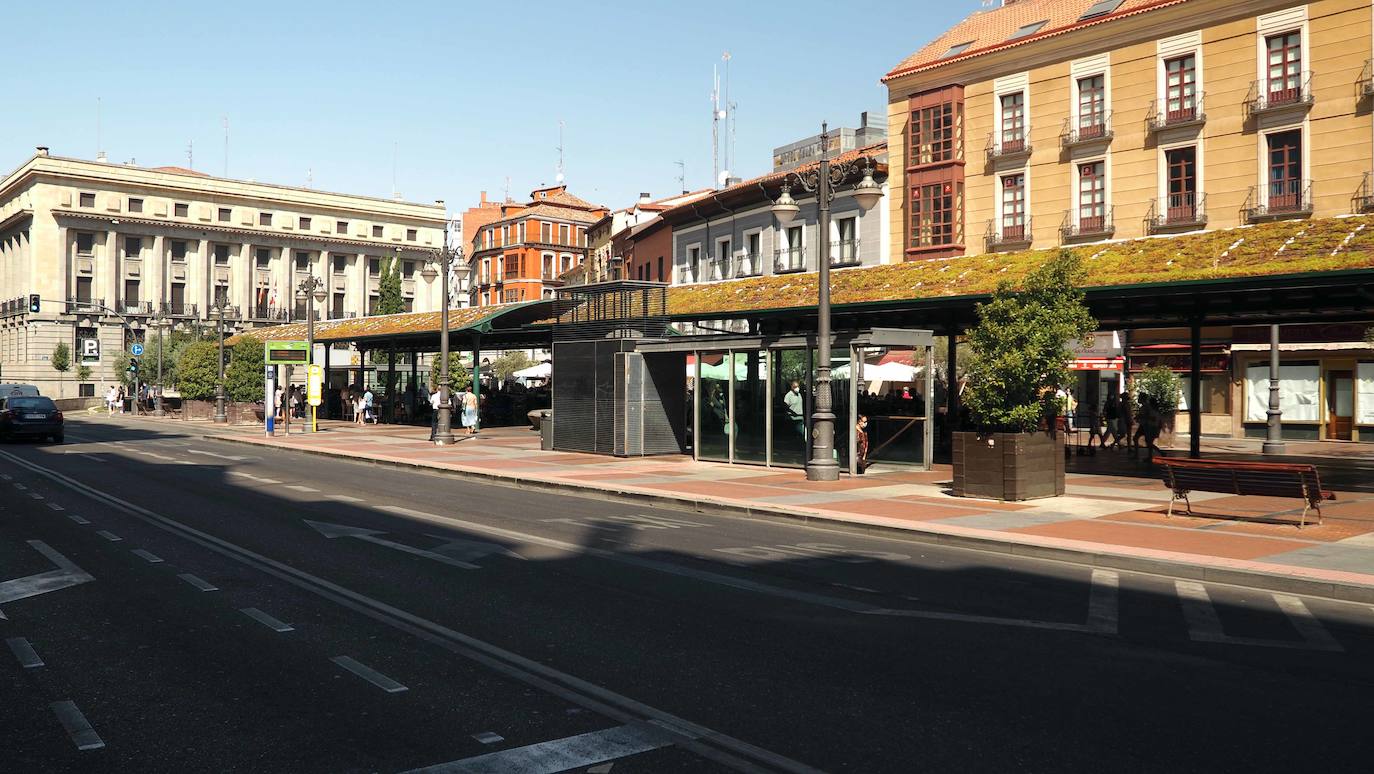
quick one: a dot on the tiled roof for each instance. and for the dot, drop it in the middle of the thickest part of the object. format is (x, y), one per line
(565, 199)
(1285, 247)
(565, 213)
(877, 150)
(986, 30)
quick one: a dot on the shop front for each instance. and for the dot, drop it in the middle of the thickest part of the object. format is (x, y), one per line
(1326, 381)
(1150, 349)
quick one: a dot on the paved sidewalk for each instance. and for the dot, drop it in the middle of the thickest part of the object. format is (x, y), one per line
(1115, 518)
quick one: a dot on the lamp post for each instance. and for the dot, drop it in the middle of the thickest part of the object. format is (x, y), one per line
(823, 466)
(160, 323)
(221, 417)
(444, 257)
(311, 291)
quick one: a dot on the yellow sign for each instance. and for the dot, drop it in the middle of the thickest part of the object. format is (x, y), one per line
(314, 384)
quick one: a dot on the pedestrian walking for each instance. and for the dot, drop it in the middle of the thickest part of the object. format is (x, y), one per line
(369, 413)
(469, 410)
(1094, 419)
(434, 404)
(861, 444)
(359, 411)
(111, 397)
(119, 400)
(1111, 415)
(1124, 420)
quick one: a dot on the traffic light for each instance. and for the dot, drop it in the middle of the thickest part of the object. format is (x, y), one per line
(133, 366)
(34, 303)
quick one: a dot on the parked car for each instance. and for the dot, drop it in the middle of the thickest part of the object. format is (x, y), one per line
(25, 415)
(7, 390)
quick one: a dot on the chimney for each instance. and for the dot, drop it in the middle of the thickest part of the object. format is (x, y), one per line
(101, 157)
(863, 120)
(484, 197)
(644, 197)
(438, 202)
(42, 150)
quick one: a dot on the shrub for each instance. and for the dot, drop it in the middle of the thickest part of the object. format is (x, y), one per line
(198, 370)
(1162, 386)
(458, 377)
(1020, 345)
(243, 377)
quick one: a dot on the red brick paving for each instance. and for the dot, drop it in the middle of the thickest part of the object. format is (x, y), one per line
(1190, 541)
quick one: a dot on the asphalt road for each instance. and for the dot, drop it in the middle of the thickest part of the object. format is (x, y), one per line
(172, 603)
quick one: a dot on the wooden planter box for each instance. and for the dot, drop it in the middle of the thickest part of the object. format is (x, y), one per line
(1008, 466)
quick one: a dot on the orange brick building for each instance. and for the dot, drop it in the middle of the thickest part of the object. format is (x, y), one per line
(520, 254)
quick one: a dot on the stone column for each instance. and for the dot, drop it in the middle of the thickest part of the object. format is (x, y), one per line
(155, 274)
(207, 273)
(106, 284)
(247, 270)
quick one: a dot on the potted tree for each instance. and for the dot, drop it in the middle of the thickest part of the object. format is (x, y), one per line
(1020, 357)
(1162, 388)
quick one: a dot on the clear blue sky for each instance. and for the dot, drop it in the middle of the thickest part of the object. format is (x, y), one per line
(466, 94)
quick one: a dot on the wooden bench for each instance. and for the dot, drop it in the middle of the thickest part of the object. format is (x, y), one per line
(1267, 479)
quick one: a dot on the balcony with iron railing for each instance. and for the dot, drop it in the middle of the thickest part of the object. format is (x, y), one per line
(1278, 201)
(749, 265)
(1280, 94)
(1363, 200)
(687, 275)
(267, 313)
(1078, 227)
(1012, 235)
(1176, 113)
(134, 308)
(789, 259)
(339, 314)
(84, 305)
(845, 252)
(178, 309)
(1010, 147)
(1177, 212)
(14, 306)
(1077, 134)
(718, 268)
(1364, 87)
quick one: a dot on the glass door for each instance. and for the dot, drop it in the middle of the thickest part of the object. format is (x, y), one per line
(750, 406)
(788, 371)
(891, 393)
(713, 406)
(1340, 405)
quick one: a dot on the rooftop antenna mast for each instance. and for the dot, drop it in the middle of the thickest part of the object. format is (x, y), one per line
(225, 120)
(99, 147)
(558, 179)
(729, 115)
(190, 154)
(715, 126)
(682, 175)
(507, 188)
(309, 177)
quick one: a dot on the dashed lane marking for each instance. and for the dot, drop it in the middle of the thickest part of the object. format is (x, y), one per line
(570, 753)
(488, 737)
(36, 496)
(19, 486)
(300, 488)
(267, 620)
(56, 507)
(110, 536)
(78, 728)
(78, 519)
(1204, 625)
(203, 585)
(147, 556)
(343, 498)
(1307, 624)
(369, 674)
(28, 658)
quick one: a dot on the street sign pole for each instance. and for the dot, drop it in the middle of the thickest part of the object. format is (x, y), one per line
(269, 391)
(314, 393)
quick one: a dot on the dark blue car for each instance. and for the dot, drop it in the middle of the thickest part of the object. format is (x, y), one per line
(29, 416)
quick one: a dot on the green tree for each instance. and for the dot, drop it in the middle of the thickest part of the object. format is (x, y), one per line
(1020, 347)
(389, 299)
(120, 363)
(198, 370)
(243, 380)
(1163, 387)
(83, 373)
(458, 376)
(510, 362)
(60, 360)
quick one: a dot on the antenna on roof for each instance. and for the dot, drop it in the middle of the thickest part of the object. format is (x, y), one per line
(190, 154)
(560, 177)
(507, 188)
(99, 149)
(309, 177)
(682, 175)
(729, 116)
(715, 125)
(225, 120)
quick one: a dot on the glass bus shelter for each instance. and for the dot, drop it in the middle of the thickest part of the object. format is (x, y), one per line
(751, 397)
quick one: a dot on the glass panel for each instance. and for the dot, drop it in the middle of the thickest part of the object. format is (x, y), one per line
(751, 408)
(891, 395)
(713, 385)
(839, 400)
(1343, 396)
(791, 406)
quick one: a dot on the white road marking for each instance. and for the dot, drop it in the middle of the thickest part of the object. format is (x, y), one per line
(268, 481)
(489, 737)
(94, 458)
(1203, 623)
(155, 456)
(369, 674)
(80, 731)
(300, 488)
(186, 462)
(343, 498)
(66, 575)
(78, 519)
(574, 752)
(110, 536)
(1103, 602)
(197, 582)
(231, 457)
(56, 507)
(370, 536)
(36, 495)
(23, 651)
(712, 744)
(267, 620)
(1307, 624)
(6, 476)
(147, 556)
(19, 486)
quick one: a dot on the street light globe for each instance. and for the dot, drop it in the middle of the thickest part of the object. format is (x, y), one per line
(867, 192)
(429, 273)
(785, 209)
(319, 294)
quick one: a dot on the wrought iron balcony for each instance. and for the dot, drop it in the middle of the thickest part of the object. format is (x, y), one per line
(84, 305)
(1176, 113)
(749, 265)
(1078, 227)
(1083, 133)
(1177, 212)
(134, 308)
(687, 275)
(1280, 94)
(1363, 200)
(1010, 236)
(14, 306)
(789, 259)
(845, 252)
(267, 312)
(1010, 147)
(1364, 87)
(718, 268)
(1277, 201)
(178, 309)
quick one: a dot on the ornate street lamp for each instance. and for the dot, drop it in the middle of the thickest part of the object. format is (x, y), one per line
(221, 417)
(444, 258)
(161, 323)
(311, 291)
(823, 466)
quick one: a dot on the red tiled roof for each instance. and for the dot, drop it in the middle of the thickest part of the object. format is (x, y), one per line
(992, 29)
(564, 199)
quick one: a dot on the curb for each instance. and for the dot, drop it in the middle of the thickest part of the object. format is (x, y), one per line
(1254, 579)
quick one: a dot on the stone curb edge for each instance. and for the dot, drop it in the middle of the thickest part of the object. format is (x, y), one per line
(1255, 579)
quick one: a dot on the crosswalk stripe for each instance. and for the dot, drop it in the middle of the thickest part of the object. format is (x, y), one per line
(1203, 623)
(1307, 624)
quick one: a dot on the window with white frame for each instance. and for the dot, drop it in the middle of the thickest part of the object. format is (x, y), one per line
(1013, 128)
(1014, 207)
(846, 233)
(1092, 196)
(720, 265)
(693, 267)
(1092, 106)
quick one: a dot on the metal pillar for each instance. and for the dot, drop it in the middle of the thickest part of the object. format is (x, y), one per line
(1273, 441)
(391, 383)
(477, 378)
(324, 386)
(1195, 394)
(220, 416)
(952, 381)
(158, 412)
(822, 466)
(308, 288)
(414, 383)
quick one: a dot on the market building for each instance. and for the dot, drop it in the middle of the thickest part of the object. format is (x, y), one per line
(1043, 124)
(112, 248)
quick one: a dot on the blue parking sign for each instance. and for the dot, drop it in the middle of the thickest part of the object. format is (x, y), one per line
(136, 350)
